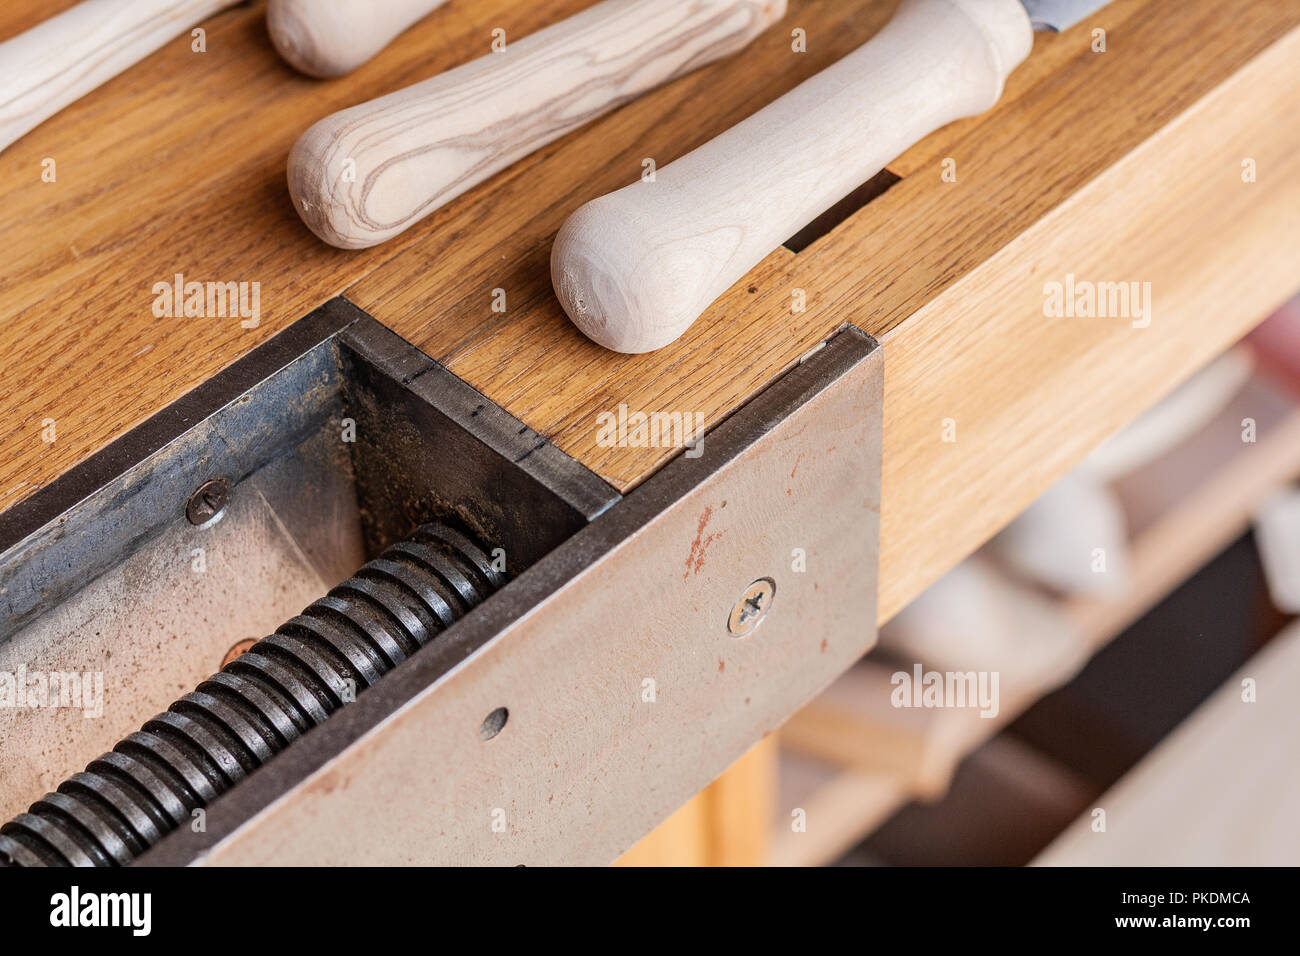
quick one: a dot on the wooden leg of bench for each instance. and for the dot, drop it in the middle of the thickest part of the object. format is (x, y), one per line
(678, 841)
(741, 807)
(726, 824)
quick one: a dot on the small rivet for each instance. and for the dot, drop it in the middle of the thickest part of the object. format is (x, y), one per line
(208, 504)
(751, 607)
(239, 650)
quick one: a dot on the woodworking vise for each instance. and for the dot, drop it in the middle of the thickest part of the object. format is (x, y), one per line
(519, 666)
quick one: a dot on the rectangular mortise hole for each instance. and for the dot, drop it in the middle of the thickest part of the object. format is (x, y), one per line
(877, 185)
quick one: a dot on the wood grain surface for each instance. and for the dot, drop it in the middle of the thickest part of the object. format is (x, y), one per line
(634, 268)
(1122, 166)
(367, 173)
(59, 60)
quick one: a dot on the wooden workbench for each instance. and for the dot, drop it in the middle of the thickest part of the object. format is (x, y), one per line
(1124, 165)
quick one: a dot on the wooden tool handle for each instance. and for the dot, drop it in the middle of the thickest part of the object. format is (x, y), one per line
(65, 57)
(633, 269)
(327, 38)
(365, 174)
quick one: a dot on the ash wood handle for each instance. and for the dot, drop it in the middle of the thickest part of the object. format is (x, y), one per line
(326, 38)
(633, 269)
(62, 59)
(367, 173)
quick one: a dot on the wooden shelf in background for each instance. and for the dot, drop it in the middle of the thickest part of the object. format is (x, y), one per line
(1222, 790)
(860, 760)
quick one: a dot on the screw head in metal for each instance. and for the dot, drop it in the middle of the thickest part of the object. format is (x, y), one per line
(751, 607)
(207, 505)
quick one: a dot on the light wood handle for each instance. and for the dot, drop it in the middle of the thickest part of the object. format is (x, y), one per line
(633, 269)
(367, 173)
(327, 38)
(62, 59)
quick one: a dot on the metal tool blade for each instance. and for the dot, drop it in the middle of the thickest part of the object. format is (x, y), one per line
(1058, 15)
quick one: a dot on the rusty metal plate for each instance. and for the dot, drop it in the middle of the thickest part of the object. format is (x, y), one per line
(624, 688)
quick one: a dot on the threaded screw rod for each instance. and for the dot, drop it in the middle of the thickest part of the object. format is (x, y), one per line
(235, 721)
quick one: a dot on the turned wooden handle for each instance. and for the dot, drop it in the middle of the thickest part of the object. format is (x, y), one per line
(62, 59)
(367, 173)
(633, 269)
(331, 37)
